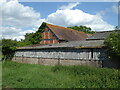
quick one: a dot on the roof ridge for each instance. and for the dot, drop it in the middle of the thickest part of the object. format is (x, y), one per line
(65, 28)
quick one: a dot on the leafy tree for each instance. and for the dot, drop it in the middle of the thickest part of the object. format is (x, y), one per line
(113, 42)
(42, 27)
(35, 38)
(83, 29)
(28, 38)
(8, 47)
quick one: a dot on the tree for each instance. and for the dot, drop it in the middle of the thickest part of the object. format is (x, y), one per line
(83, 29)
(8, 47)
(35, 38)
(113, 43)
(28, 38)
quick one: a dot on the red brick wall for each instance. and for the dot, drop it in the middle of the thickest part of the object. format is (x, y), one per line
(51, 41)
(42, 35)
(46, 29)
(48, 35)
(55, 41)
(51, 35)
(42, 42)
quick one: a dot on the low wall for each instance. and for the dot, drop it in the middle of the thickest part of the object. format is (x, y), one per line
(93, 57)
(43, 61)
(77, 54)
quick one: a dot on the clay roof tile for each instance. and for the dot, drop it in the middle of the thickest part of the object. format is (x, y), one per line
(67, 34)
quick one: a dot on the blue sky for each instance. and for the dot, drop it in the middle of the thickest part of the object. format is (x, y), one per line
(19, 18)
(46, 8)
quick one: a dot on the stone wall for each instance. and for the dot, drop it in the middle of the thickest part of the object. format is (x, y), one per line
(92, 57)
(96, 63)
(77, 54)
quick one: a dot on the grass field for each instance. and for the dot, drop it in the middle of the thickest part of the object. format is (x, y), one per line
(17, 75)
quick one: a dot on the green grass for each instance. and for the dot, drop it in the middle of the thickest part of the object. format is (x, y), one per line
(17, 75)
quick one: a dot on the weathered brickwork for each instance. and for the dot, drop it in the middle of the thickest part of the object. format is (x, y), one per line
(92, 57)
(48, 37)
(44, 61)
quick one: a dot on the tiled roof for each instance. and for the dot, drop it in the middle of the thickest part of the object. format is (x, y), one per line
(71, 44)
(100, 35)
(67, 34)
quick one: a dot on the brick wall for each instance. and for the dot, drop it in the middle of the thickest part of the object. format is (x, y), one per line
(46, 61)
(48, 37)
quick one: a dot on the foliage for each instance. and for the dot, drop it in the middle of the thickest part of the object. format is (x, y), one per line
(17, 75)
(83, 29)
(113, 42)
(42, 27)
(32, 38)
(8, 46)
(28, 37)
(35, 38)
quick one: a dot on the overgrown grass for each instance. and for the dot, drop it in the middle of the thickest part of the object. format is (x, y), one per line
(17, 75)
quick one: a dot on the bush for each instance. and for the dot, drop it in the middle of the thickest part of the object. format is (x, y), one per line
(113, 43)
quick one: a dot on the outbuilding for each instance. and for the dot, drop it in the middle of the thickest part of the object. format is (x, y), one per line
(91, 53)
(64, 46)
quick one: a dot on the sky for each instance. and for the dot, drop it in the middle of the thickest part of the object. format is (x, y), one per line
(19, 18)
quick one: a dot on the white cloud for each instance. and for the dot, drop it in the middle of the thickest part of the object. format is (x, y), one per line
(14, 33)
(66, 16)
(69, 6)
(77, 17)
(15, 17)
(18, 15)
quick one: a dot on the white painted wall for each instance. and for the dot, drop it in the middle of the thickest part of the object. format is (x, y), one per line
(98, 54)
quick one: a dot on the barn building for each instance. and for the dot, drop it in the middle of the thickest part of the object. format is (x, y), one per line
(57, 34)
(67, 47)
(69, 53)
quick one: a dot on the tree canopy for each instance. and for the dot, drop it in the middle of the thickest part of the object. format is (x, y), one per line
(113, 42)
(83, 29)
(8, 47)
(35, 38)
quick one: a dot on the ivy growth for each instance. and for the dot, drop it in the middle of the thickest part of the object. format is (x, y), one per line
(42, 28)
(37, 36)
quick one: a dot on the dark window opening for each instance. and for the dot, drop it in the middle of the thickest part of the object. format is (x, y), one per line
(91, 53)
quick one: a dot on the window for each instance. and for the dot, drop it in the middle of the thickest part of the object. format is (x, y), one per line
(91, 53)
